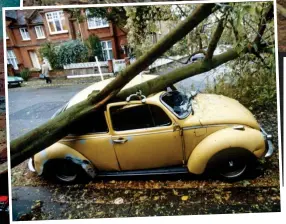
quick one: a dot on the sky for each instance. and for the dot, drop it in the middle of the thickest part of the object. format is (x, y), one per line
(6, 3)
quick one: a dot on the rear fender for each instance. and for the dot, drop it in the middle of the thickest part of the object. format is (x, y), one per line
(249, 139)
(61, 151)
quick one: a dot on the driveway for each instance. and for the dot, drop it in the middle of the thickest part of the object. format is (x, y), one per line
(37, 199)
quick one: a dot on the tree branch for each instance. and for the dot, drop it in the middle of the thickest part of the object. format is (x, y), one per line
(215, 39)
(161, 82)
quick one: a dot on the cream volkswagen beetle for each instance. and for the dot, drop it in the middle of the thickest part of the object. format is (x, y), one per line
(168, 132)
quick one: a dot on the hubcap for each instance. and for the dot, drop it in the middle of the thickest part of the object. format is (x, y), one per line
(232, 168)
(66, 171)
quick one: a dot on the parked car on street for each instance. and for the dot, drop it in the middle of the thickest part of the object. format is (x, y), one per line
(167, 132)
(14, 81)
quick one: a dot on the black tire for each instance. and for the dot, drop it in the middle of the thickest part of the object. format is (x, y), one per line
(65, 171)
(231, 164)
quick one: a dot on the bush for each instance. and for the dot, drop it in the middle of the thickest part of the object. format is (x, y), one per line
(94, 48)
(73, 51)
(25, 74)
(250, 82)
(48, 50)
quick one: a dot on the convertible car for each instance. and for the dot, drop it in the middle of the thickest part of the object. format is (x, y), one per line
(167, 132)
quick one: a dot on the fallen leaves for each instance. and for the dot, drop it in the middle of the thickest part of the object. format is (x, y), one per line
(155, 198)
(118, 201)
(175, 192)
(184, 198)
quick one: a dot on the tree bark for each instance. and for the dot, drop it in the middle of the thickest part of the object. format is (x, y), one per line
(215, 38)
(45, 135)
(163, 81)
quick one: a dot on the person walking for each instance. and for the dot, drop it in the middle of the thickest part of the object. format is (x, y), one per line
(45, 72)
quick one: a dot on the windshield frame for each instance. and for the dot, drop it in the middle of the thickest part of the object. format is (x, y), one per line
(171, 109)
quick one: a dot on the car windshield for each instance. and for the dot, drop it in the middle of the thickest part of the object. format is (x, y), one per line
(177, 102)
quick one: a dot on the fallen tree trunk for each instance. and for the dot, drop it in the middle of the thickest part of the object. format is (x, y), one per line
(45, 135)
(163, 81)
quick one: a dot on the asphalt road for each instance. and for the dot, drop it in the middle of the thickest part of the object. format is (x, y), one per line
(37, 199)
(31, 107)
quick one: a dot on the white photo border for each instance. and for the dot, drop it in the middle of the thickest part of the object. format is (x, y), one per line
(221, 218)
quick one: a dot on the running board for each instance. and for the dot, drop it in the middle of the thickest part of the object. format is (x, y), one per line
(161, 171)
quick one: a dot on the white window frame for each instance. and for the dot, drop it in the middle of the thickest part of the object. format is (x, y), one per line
(106, 49)
(40, 32)
(12, 59)
(25, 33)
(92, 22)
(60, 15)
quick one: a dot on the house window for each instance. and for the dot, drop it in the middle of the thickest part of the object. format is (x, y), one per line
(107, 50)
(11, 59)
(25, 34)
(56, 22)
(40, 32)
(96, 22)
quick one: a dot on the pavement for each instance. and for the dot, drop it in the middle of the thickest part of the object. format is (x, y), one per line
(35, 198)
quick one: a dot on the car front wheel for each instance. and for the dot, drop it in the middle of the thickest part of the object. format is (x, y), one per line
(231, 164)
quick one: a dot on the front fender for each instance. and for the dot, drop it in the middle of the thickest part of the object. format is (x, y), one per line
(249, 139)
(61, 151)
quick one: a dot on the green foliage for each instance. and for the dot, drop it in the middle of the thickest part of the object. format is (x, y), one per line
(251, 83)
(25, 74)
(73, 51)
(48, 50)
(94, 48)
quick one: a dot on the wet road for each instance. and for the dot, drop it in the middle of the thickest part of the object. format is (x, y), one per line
(31, 107)
(36, 199)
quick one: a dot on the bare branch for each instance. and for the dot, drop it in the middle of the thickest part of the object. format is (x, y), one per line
(215, 38)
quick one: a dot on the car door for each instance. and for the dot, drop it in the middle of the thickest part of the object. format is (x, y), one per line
(144, 136)
(90, 136)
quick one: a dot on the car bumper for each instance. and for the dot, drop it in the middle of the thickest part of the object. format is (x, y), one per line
(30, 165)
(268, 142)
(15, 82)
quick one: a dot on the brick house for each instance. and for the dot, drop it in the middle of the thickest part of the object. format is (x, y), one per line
(27, 30)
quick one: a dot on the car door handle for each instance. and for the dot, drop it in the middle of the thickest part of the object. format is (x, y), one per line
(120, 140)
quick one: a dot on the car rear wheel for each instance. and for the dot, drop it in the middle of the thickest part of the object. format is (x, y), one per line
(67, 171)
(231, 164)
